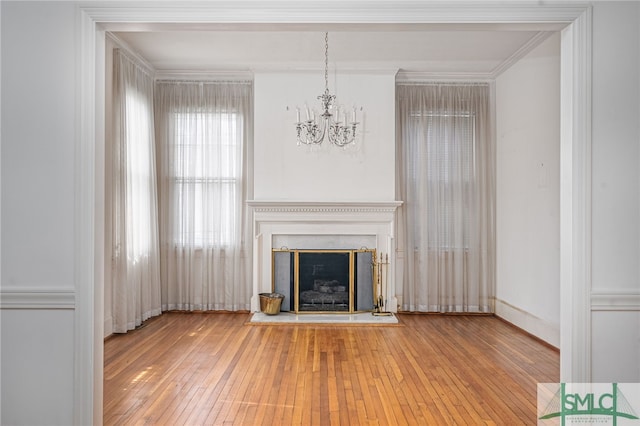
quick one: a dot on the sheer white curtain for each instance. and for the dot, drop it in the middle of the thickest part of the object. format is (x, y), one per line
(135, 248)
(202, 134)
(446, 178)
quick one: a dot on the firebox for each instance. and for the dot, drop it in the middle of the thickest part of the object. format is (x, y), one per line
(327, 281)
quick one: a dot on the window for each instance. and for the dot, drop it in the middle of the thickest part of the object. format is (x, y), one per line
(207, 177)
(446, 178)
(139, 171)
(447, 154)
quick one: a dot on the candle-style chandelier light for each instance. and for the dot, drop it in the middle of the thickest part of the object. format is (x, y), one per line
(332, 123)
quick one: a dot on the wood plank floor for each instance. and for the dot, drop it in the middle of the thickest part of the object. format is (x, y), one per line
(217, 369)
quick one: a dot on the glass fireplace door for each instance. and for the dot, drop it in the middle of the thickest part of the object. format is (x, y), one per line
(329, 281)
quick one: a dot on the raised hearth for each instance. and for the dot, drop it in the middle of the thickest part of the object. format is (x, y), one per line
(364, 318)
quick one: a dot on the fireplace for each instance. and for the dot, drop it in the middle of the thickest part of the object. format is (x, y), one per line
(329, 281)
(325, 226)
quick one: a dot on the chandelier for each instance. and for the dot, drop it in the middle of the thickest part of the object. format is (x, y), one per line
(313, 130)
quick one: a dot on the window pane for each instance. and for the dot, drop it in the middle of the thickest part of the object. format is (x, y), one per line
(206, 145)
(139, 188)
(447, 155)
(207, 177)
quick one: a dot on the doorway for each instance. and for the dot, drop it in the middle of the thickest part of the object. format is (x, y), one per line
(575, 160)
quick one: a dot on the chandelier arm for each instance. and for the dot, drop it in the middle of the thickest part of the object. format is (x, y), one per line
(342, 135)
(309, 133)
(323, 130)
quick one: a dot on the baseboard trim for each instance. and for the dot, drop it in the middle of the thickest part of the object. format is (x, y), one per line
(537, 327)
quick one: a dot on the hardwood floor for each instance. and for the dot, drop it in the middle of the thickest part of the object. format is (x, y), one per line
(216, 369)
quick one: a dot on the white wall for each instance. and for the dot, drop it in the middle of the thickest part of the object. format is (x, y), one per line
(528, 192)
(284, 171)
(37, 197)
(616, 193)
(38, 143)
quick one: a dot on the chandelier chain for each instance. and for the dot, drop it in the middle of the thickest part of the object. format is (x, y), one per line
(326, 62)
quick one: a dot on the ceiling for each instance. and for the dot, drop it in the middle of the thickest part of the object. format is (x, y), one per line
(472, 49)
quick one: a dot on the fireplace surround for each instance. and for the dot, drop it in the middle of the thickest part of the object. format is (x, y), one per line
(306, 225)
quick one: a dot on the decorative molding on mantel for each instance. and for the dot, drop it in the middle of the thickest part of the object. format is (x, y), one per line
(323, 206)
(23, 298)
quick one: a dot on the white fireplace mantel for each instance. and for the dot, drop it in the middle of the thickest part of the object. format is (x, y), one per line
(373, 221)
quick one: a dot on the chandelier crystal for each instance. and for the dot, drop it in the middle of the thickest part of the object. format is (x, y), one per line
(313, 130)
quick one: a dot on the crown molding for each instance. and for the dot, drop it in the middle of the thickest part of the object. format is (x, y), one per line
(425, 76)
(533, 42)
(219, 75)
(342, 69)
(126, 47)
(248, 75)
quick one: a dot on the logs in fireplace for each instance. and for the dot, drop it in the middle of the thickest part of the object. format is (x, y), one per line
(325, 280)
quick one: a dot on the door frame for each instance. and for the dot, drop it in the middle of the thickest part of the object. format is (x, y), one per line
(95, 19)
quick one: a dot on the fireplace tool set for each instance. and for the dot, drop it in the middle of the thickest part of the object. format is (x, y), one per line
(380, 273)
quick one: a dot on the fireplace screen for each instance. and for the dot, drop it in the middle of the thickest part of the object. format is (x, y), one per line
(324, 280)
